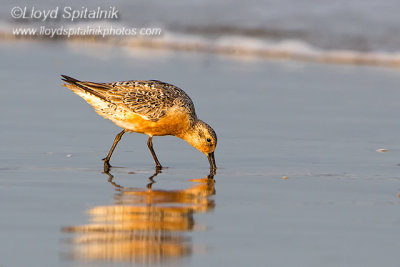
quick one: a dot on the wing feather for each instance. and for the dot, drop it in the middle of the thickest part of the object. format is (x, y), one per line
(149, 99)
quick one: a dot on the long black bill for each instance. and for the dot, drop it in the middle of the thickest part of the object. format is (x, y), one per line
(211, 159)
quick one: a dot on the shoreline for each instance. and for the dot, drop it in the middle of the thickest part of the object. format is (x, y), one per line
(232, 47)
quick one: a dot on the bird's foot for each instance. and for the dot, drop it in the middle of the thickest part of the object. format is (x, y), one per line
(107, 165)
(159, 168)
(213, 171)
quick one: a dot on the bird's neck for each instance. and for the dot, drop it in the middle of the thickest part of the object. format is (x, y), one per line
(191, 135)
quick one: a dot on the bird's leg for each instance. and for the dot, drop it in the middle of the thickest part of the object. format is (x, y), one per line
(150, 145)
(107, 159)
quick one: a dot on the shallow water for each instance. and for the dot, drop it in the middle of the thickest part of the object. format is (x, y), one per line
(318, 125)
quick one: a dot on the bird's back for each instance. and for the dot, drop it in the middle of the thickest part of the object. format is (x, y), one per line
(150, 99)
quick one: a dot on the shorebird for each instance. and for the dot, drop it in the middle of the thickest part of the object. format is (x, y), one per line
(150, 107)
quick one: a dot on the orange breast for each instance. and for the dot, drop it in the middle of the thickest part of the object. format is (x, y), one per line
(174, 123)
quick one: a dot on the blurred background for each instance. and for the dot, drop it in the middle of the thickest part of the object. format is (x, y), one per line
(361, 32)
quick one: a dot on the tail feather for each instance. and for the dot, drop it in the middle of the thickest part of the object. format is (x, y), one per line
(96, 89)
(68, 79)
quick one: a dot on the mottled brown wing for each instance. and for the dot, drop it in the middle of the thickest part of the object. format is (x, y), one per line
(150, 99)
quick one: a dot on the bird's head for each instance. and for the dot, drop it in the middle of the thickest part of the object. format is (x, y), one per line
(203, 137)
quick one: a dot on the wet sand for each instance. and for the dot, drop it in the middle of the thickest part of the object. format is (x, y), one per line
(319, 125)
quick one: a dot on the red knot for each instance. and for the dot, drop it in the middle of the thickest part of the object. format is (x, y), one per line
(149, 107)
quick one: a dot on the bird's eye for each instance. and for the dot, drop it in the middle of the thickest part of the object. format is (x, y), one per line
(208, 139)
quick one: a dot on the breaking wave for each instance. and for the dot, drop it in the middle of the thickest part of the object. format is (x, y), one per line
(233, 43)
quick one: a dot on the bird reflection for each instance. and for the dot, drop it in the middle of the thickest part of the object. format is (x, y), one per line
(144, 225)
